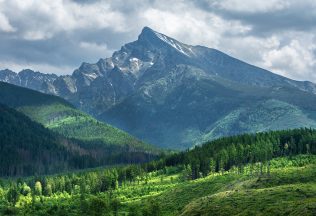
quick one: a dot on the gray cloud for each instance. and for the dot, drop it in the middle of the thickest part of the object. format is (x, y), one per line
(274, 16)
(56, 36)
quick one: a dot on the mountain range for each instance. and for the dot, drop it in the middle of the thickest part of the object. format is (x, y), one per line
(176, 95)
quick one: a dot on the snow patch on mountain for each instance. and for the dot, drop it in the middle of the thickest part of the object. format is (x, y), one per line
(179, 47)
(92, 76)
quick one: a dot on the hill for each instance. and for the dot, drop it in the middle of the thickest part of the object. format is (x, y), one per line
(108, 145)
(291, 191)
(59, 115)
(27, 148)
(177, 95)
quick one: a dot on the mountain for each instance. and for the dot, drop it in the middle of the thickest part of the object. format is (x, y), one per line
(104, 143)
(176, 95)
(28, 78)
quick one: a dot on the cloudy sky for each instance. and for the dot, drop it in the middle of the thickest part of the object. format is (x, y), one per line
(56, 36)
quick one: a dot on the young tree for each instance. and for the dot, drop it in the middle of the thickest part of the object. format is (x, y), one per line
(195, 169)
(48, 190)
(240, 157)
(212, 166)
(13, 195)
(187, 173)
(223, 160)
(232, 154)
(25, 189)
(38, 188)
(269, 155)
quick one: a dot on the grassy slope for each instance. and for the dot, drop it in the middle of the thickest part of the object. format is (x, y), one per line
(57, 114)
(229, 194)
(290, 190)
(286, 193)
(294, 199)
(76, 124)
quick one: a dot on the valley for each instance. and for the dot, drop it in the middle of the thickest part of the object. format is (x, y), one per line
(160, 127)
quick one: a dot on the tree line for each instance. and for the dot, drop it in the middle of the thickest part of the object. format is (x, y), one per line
(239, 153)
(235, 152)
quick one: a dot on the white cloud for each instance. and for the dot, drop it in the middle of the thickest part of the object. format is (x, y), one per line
(95, 49)
(290, 55)
(293, 60)
(43, 19)
(93, 46)
(5, 24)
(36, 35)
(251, 6)
(192, 26)
(248, 48)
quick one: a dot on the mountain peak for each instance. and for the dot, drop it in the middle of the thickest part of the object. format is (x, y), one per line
(25, 71)
(147, 29)
(147, 34)
(7, 71)
(152, 37)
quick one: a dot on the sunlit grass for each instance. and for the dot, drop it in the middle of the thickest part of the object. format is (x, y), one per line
(289, 189)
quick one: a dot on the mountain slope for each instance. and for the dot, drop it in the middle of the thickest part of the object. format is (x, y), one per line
(171, 94)
(110, 144)
(179, 112)
(27, 148)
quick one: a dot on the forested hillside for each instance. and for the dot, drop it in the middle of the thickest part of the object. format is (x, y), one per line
(236, 151)
(57, 114)
(107, 144)
(27, 148)
(251, 180)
